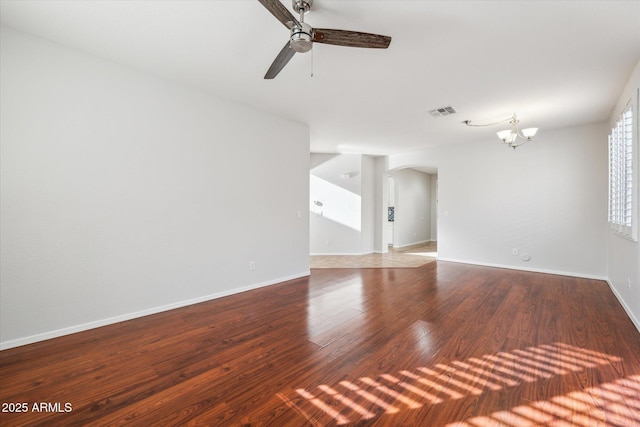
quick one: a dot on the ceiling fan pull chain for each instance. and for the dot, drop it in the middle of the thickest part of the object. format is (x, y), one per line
(311, 62)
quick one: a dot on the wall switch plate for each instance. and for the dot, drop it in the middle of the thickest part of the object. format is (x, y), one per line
(514, 251)
(252, 265)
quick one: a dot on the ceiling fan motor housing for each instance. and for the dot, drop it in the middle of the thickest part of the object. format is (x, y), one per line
(301, 38)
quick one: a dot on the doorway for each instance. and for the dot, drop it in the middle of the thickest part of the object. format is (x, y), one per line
(411, 206)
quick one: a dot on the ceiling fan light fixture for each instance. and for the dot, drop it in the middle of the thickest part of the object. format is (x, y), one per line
(301, 38)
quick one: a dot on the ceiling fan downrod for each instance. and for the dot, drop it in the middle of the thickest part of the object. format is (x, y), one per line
(301, 35)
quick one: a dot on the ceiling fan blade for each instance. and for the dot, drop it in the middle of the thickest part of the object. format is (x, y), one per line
(281, 60)
(350, 38)
(281, 13)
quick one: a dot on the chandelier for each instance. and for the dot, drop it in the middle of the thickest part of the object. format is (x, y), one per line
(510, 136)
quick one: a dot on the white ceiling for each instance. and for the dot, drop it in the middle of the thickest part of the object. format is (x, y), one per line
(554, 63)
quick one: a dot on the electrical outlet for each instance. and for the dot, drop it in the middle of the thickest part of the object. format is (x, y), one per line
(328, 242)
(252, 265)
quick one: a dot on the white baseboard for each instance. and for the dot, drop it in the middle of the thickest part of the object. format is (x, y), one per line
(634, 320)
(533, 270)
(111, 320)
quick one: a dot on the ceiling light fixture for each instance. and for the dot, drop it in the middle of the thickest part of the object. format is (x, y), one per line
(510, 136)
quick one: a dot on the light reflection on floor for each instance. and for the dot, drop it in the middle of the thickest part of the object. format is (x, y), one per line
(364, 398)
(425, 254)
(334, 306)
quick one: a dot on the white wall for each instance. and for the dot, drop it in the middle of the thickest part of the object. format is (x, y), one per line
(368, 204)
(434, 208)
(345, 223)
(123, 194)
(623, 255)
(412, 213)
(547, 199)
(381, 189)
(336, 226)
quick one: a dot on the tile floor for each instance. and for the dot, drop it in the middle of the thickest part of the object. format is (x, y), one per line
(406, 257)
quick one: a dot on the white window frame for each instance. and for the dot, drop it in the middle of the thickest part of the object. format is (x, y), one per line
(623, 173)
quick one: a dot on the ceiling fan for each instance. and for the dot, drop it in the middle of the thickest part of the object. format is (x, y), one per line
(303, 35)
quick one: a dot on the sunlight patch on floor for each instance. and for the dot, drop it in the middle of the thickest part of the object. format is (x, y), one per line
(618, 403)
(365, 398)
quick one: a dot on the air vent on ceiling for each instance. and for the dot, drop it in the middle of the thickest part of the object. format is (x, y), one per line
(441, 112)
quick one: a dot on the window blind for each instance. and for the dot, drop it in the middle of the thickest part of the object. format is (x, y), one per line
(621, 174)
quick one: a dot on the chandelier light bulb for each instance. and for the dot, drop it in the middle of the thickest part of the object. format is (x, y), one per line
(529, 132)
(504, 135)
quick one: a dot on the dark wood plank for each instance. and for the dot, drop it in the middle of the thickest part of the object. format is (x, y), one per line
(443, 344)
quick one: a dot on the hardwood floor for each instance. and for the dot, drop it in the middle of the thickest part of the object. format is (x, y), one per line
(443, 344)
